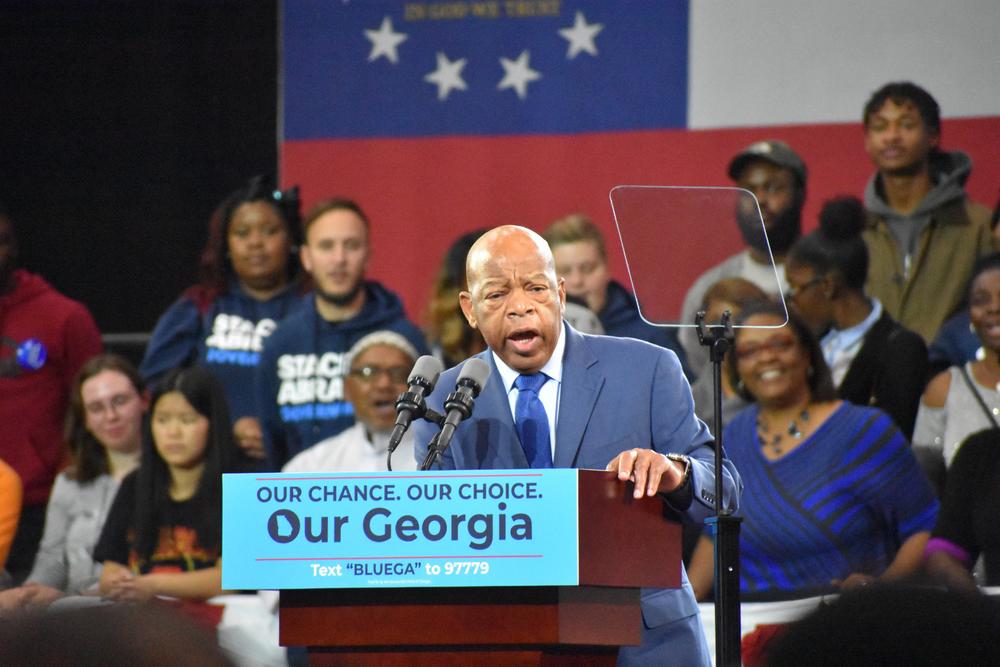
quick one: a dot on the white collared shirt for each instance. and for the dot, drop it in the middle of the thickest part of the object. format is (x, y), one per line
(840, 347)
(550, 391)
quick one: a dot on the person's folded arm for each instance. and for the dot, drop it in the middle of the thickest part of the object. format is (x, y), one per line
(197, 585)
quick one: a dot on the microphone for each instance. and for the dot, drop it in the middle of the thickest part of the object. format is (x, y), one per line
(458, 404)
(411, 404)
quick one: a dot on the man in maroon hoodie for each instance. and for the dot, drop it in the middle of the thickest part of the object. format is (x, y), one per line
(44, 339)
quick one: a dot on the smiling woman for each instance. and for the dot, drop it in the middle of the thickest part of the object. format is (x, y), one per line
(965, 399)
(834, 497)
(248, 284)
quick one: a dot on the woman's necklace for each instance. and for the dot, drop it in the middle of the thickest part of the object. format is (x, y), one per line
(775, 441)
(989, 383)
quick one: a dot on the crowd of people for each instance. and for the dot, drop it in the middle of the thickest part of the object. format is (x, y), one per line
(860, 397)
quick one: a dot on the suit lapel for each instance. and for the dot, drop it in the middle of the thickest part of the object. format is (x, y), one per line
(581, 384)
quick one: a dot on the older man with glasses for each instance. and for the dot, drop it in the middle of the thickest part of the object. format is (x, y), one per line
(379, 365)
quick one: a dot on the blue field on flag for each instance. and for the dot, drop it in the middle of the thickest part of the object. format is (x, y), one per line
(395, 69)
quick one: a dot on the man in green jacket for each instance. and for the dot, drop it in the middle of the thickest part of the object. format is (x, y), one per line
(923, 233)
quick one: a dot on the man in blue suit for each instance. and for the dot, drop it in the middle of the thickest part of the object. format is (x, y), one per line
(560, 398)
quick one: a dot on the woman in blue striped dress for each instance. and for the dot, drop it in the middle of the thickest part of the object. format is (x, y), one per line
(833, 495)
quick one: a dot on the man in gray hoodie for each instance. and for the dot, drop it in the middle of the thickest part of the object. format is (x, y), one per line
(923, 233)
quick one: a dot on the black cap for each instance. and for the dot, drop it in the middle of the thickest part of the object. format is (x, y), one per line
(774, 151)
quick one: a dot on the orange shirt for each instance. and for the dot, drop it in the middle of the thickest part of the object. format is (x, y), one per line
(10, 508)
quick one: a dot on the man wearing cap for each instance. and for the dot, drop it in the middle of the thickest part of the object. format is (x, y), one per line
(776, 175)
(379, 365)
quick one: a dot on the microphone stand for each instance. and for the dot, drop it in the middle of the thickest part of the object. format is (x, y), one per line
(725, 527)
(421, 411)
(432, 453)
(458, 405)
(435, 418)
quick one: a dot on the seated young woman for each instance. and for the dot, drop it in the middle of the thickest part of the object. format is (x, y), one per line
(163, 535)
(103, 436)
(833, 496)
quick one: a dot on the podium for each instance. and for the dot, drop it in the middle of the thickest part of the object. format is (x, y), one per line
(624, 544)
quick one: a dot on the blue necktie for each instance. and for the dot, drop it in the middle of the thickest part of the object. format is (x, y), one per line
(530, 420)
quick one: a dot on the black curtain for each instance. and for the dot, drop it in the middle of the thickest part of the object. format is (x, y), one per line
(122, 126)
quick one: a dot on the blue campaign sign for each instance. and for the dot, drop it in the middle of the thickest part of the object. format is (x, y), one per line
(405, 529)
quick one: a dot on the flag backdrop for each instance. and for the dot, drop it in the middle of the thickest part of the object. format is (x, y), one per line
(440, 117)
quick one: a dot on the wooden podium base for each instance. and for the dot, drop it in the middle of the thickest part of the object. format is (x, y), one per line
(423, 657)
(497, 626)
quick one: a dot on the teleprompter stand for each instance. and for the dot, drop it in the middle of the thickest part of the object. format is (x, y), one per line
(725, 527)
(513, 625)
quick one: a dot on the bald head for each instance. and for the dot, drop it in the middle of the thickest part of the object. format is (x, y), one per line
(504, 243)
(514, 298)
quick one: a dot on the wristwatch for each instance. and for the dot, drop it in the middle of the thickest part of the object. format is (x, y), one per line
(686, 462)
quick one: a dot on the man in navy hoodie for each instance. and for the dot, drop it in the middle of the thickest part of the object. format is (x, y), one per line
(300, 379)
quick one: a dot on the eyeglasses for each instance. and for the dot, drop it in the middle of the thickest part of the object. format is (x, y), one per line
(776, 345)
(117, 402)
(397, 374)
(794, 290)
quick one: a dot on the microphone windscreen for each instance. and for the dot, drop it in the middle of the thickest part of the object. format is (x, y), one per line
(476, 370)
(427, 367)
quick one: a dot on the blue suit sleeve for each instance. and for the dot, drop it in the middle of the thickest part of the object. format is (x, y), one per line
(676, 429)
(174, 341)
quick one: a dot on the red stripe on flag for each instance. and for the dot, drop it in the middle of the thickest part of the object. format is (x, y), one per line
(422, 193)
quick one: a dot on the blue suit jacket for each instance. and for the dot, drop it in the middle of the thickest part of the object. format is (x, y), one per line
(617, 393)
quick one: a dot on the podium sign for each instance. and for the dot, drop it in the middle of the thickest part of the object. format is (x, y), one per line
(400, 530)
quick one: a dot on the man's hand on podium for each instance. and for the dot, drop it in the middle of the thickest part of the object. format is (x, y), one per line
(652, 472)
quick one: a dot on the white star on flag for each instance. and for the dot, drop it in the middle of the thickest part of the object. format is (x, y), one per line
(581, 36)
(384, 42)
(517, 74)
(448, 76)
